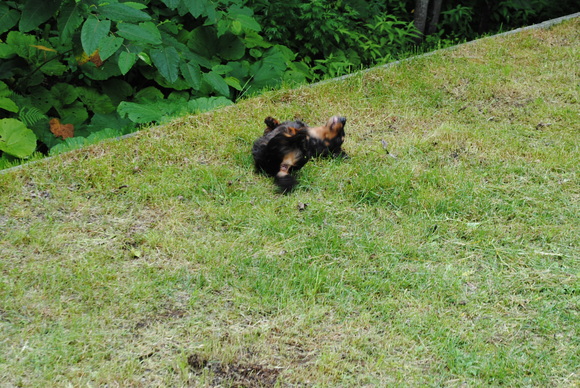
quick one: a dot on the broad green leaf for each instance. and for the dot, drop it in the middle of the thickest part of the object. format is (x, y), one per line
(145, 32)
(217, 83)
(242, 20)
(110, 120)
(8, 18)
(145, 58)
(8, 104)
(6, 51)
(221, 69)
(223, 26)
(253, 39)
(231, 47)
(148, 94)
(178, 96)
(166, 60)
(192, 74)
(210, 13)
(179, 84)
(69, 21)
(233, 82)
(201, 60)
(172, 29)
(95, 101)
(285, 51)
(54, 67)
(240, 70)
(92, 32)
(139, 113)
(41, 98)
(256, 53)
(109, 46)
(121, 12)
(4, 90)
(63, 94)
(22, 44)
(135, 5)
(196, 7)
(126, 61)
(234, 10)
(16, 139)
(203, 41)
(75, 113)
(118, 90)
(171, 4)
(293, 77)
(248, 22)
(205, 104)
(36, 12)
(269, 70)
(107, 70)
(236, 27)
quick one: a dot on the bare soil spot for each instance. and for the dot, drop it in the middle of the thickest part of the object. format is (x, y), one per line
(235, 375)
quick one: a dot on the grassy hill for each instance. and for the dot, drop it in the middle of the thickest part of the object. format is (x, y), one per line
(163, 260)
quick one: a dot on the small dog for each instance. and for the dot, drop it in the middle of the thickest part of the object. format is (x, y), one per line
(288, 146)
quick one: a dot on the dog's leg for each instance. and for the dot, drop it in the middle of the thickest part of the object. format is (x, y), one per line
(271, 124)
(283, 179)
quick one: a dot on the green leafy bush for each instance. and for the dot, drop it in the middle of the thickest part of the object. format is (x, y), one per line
(110, 64)
(337, 37)
(465, 20)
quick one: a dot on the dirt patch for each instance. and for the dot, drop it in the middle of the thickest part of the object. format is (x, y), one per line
(234, 375)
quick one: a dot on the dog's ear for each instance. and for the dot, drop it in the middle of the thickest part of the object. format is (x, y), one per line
(271, 124)
(291, 131)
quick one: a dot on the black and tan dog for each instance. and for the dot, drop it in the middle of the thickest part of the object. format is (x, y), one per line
(288, 146)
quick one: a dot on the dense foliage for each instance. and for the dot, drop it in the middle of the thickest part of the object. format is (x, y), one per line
(468, 19)
(76, 71)
(102, 68)
(335, 37)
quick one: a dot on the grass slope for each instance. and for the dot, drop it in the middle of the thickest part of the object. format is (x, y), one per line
(163, 260)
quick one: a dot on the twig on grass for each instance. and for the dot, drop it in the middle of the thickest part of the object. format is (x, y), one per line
(386, 148)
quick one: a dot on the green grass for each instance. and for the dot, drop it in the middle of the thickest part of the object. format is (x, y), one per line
(163, 260)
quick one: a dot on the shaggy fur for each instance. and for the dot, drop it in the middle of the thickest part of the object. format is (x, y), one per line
(288, 146)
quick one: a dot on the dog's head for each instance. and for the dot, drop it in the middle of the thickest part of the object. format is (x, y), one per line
(336, 129)
(330, 136)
